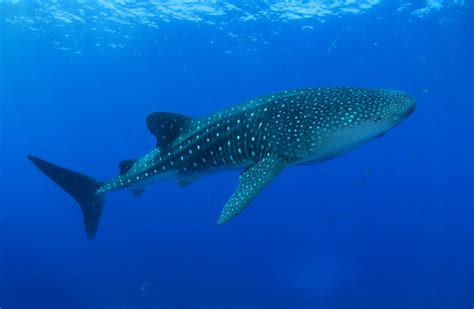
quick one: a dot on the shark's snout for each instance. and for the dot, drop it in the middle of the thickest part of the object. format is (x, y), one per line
(412, 107)
(401, 105)
(409, 104)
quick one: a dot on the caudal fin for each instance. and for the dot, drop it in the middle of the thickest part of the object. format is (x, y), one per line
(81, 187)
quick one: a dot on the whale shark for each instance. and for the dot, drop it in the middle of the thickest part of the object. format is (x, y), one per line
(262, 137)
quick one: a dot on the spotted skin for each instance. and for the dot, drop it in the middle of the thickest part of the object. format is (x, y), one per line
(252, 181)
(262, 136)
(294, 126)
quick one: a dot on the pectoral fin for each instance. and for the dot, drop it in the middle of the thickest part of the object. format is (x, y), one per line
(252, 181)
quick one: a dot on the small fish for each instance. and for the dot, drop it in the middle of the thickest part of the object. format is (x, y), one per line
(333, 45)
(359, 182)
(144, 286)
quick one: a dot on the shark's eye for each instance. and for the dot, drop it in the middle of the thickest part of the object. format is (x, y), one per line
(378, 119)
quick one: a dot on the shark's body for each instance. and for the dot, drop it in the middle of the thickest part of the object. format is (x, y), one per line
(261, 136)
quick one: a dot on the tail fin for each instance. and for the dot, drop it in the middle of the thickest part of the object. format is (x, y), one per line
(82, 188)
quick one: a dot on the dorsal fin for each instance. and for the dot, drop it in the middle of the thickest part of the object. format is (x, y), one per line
(166, 127)
(125, 166)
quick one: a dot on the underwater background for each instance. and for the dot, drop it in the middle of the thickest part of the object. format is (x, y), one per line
(390, 225)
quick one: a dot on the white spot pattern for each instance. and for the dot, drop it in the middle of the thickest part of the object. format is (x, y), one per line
(264, 135)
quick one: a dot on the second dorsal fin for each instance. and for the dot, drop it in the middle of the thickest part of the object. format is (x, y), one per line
(166, 127)
(125, 166)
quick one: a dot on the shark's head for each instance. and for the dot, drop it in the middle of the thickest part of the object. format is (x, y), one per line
(384, 110)
(356, 116)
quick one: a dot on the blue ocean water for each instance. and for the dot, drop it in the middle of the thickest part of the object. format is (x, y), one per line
(390, 225)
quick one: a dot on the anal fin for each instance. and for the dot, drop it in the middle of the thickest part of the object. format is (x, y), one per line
(137, 192)
(252, 181)
(184, 182)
